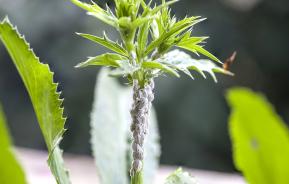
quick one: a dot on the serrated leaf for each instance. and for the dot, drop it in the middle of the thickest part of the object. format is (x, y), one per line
(175, 30)
(110, 121)
(96, 11)
(182, 61)
(160, 66)
(38, 80)
(260, 138)
(180, 177)
(109, 59)
(197, 48)
(10, 169)
(106, 43)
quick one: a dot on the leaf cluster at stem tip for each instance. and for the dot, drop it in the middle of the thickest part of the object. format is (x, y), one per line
(148, 32)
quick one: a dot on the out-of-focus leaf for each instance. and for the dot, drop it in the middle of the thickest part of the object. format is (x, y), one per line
(152, 149)
(110, 135)
(38, 80)
(96, 11)
(106, 43)
(180, 177)
(160, 66)
(10, 169)
(108, 59)
(183, 62)
(260, 138)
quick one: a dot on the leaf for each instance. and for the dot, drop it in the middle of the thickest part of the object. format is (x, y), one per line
(108, 59)
(142, 38)
(175, 30)
(180, 177)
(110, 121)
(160, 66)
(160, 7)
(106, 43)
(183, 62)
(10, 169)
(197, 48)
(38, 80)
(96, 11)
(260, 138)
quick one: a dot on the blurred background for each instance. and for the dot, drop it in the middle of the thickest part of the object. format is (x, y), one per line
(192, 115)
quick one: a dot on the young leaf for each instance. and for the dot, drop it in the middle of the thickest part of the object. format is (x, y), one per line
(160, 66)
(197, 48)
(106, 43)
(10, 169)
(183, 62)
(109, 59)
(38, 80)
(260, 138)
(96, 11)
(142, 38)
(180, 177)
(110, 121)
(175, 30)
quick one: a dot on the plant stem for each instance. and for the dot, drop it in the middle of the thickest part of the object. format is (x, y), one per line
(137, 178)
(142, 100)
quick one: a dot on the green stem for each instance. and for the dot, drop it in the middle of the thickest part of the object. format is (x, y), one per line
(137, 178)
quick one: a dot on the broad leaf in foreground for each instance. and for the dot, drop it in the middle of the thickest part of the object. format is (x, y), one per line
(260, 138)
(38, 80)
(110, 121)
(10, 169)
(180, 177)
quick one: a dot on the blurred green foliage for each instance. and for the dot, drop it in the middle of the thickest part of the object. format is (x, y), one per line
(10, 169)
(195, 123)
(260, 138)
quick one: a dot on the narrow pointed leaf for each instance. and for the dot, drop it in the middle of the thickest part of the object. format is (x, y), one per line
(196, 48)
(160, 66)
(106, 43)
(10, 169)
(163, 5)
(38, 80)
(175, 30)
(260, 138)
(109, 59)
(182, 61)
(142, 38)
(98, 12)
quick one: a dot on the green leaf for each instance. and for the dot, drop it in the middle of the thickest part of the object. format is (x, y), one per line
(160, 66)
(10, 169)
(160, 7)
(181, 61)
(180, 177)
(110, 122)
(260, 138)
(106, 43)
(109, 59)
(199, 49)
(96, 11)
(142, 38)
(175, 30)
(38, 80)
